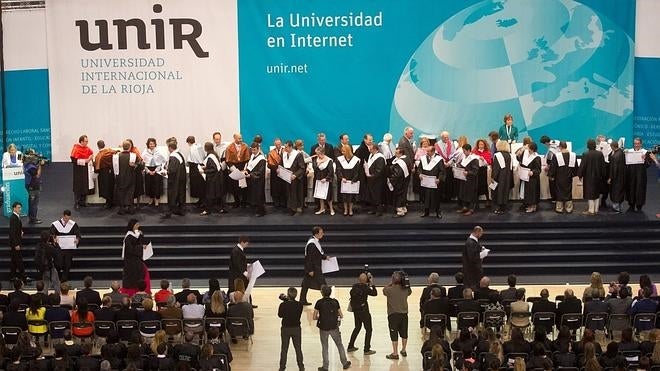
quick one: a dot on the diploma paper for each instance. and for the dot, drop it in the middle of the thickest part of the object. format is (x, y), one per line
(350, 187)
(329, 265)
(428, 181)
(67, 242)
(633, 158)
(148, 252)
(458, 173)
(242, 183)
(484, 253)
(321, 190)
(284, 174)
(493, 185)
(366, 169)
(523, 173)
(201, 171)
(255, 270)
(236, 174)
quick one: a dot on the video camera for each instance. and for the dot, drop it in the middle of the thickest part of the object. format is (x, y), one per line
(405, 280)
(33, 157)
(367, 272)
(656, 149)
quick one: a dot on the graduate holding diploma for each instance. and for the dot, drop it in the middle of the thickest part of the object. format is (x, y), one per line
(135, 269)
(314, 254)
(473, 252)
(67, 238)
(324, 172)
(348, 173)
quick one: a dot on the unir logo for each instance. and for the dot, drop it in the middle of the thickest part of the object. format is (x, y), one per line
(141, 30)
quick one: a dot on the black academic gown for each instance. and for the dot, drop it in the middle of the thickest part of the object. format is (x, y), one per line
(176, 182)
(533, 186)
(80, 178)
(504, 178)
(257, 184)
(326, 173)
(563, 177)
(237, 266)
(592, 172)
(617, 176)
(213, 183)
(125, 180)
(472, 270)
(313, 258)
(636, 180)
(468, 190)
(399, 182)
(294, 191)
(352, 174)
(431, 196)
(133, 264)
(376, 182)
(363, 154)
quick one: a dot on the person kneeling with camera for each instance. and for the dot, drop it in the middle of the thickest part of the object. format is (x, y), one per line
(290, 311)
(360, 292)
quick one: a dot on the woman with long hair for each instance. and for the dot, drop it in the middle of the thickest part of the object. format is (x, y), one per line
(214, 285)
(135, 270)
(213, 181)
(36, 312)
(82, 315)
(596, 284)
(481, 149)
(348, 173)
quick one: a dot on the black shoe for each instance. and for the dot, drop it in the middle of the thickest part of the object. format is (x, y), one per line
(351, 349)
(292, 212)
(255, 306)
(179, 213)
(347, 365)
(223, 211)
(35, 221)
(166, 216)
(234, 341)
(305, 303)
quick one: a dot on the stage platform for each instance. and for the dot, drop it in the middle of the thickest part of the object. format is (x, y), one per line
(543, 247)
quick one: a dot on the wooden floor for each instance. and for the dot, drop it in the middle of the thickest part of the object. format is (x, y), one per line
(264, 353)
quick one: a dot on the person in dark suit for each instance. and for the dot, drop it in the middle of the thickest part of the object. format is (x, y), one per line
(510, 293)
(313, 278)
(643, 305)
(544, 305)
(321, 142)
(126, 313)
(468, 304)
(181, 296)
(456, 292)
(570, 304)
(433, 282)
(472, 270)
(14, 318)
(105, 312)
(15, 242)
(594, 303)
(92, 296)
(438, 304)
(19, 295)
(4, 299)
(484, 291)
(238, 263)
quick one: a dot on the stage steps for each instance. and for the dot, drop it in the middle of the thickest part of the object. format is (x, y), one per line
(551, 249)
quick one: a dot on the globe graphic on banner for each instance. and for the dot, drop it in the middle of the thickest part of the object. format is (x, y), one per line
(557, 66)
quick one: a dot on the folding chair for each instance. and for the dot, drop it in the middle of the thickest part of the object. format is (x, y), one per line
(436, 320)
(215, 322)
(223, 361)
(507, 306)
(596, 321)
(494, 319)
(125, 328)
(173, 327)
(239, 327)
(195, 326)
(467, 319)
(82, 326)
(644, 322)
(102, 329)
(56, 330)
(148, 329)
(617, 322)
(545, 320)
(39, 323)
(510, 358)
(454, 306)
(522, 316)
(426, 360)
(573, 321)
(632, 357)
(10, 334)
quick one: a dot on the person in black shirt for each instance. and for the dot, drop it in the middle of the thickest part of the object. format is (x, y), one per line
(187, 352)
(290, 311)
(181, 297)
(219, 346)
(106, 312)
(14, 318)
(92, 296)
(15, 242)
(456, 292)
(328, 313)
(19, 295)
(433, 282)
(360, 292)
(162, 362)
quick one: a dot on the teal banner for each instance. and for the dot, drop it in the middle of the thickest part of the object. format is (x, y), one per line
(562, 68)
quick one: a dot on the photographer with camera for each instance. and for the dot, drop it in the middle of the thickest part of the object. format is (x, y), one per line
(360, 292)
(290, 311)
(397, 293)
(44, 259)
(32, 164)
(328, 315)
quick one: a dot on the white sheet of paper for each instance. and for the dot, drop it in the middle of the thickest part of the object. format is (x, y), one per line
(148, 252)
(329, 265)
(350, 187)
(633, 158)
(366, 169)
(390, 186)
(80, 162)
(284, 174)
(523, 173)
(255, 270)
(493, 185)
(428, 181)
(321, 190)
(67, 242)
(236, 174)
(484, 253)
(458, 173)
(242, 183)
(201, 171)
